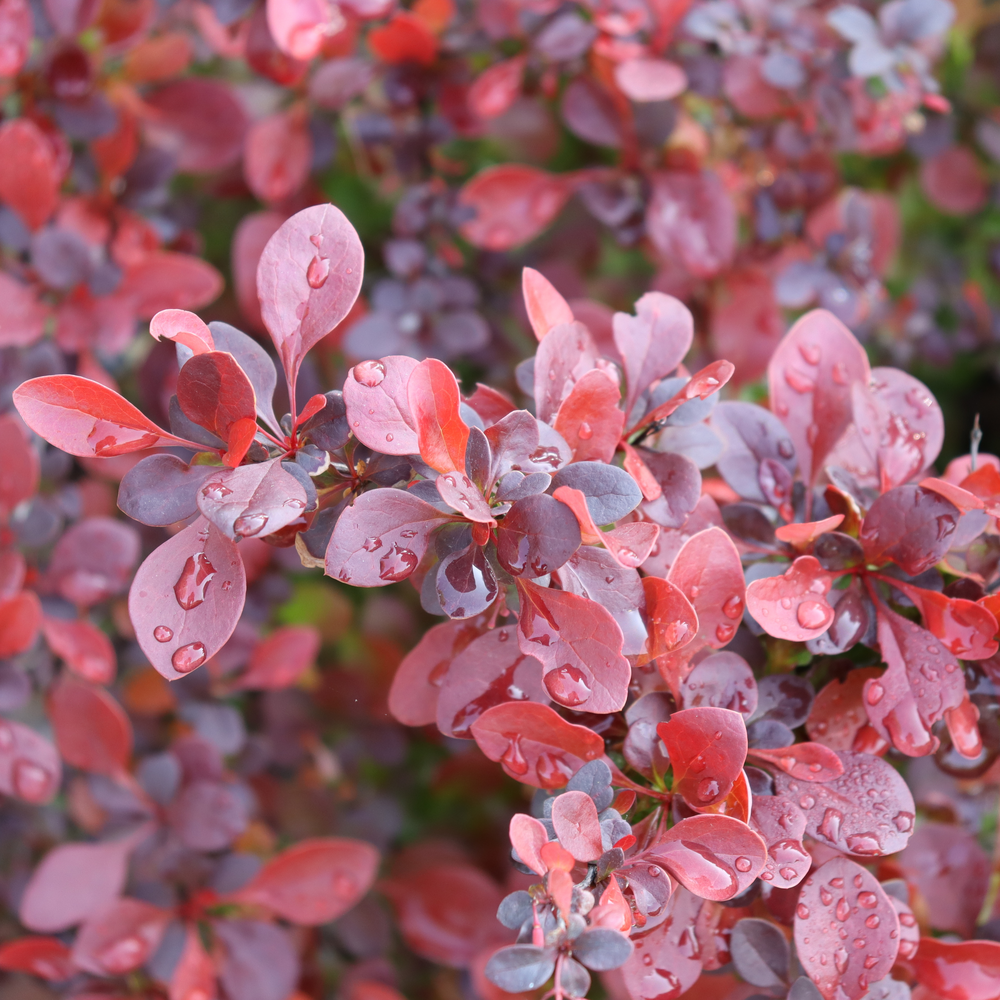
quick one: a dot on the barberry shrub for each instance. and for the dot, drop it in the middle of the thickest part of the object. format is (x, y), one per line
(749, 662)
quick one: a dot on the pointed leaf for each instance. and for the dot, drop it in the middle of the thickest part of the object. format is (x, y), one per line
(433, 397)
(46, 957)
(194, 974)
(215, 393)
(281, 659)
(959, 970)
(381, 386)
(574, 817)
(806, 761)
(670, 618)
(119, 937)
(182, 327)
(707, 748)
(87, 650)
(589, 418)
(546, 307)
(536, 536)
(91, 729)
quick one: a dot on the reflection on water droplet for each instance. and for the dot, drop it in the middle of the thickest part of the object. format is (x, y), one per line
(369, 373)
(553, 771)
(810, 353)
(799, 381)
(839, 373)
(585, 432)
(195, 577)
(188, 658)
(31, 781)
(872, 921)
(903, 822)
(840, 960)
(123, 955)
(248, 525)
(786, 603)
(568, 685)
(163, 633)
(397, 564)
(317, 272)
(215, 491)
(802, 911)
(807, 802)
(733, 607)
(864, 843)
(868, 900)
(826, 897)
(788, 873)
(743, 864)
(812, 614)
(875, 693)
(723, 633)
(843, 910)
(830, 827)
(708, 789)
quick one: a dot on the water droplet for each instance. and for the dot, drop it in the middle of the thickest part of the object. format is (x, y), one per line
(903, 822)
(694, 591)
(513, 758)
(215, 491)
(317, 272)
(840, 960)
(802, 911)
(31, 781)
(743, 864)
(188, 658)
(826, 897)
(799, 381)
(647, 959)
(868, 900)
(733, 607)
(812, 614)
(123, 955)
(568, 685)
(810, 353)
(708, 789)
(723, 633)
(786, 603)
(163, 633)
(839, 373)
(585, 431)
(812, 435)
(830, 826)
(654, 872)
(864, 843)
(397, 564)
(788, 873)
(843, 909)
(553, 771)
(514, 692)
(807, 802)
(248, 525)
(195, 577)
(872, 921)
(875, 693)
(369, 373)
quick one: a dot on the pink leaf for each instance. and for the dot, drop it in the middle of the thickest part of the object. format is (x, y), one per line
(281, 659)
(546, 307)
(589, 418)
(87, 650)
(186, 599)
(378, 410)
(805, 761)
(22, 314)
(16, 31)
(496, 89)
(278, 152)
(91, 728)
(29, 172)
(650, 79)
(119, 937)
(670, 618)
(308, 278)
(30, 768)
(574, 817)
(781, 825)
(182, 327)
(528, 836)
(793, 606)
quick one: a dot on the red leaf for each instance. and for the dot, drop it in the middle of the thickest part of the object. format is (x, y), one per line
(215, 393)
(629, 543)
(413, 696)
(707, 748)
(278, 153)
(281, 659)
(781, 825)
(589, 418)
(838, 718)
(793, 606)
(380, 386)
(248, 244)
(194, 974)
(839, 897)
(528, 836)
(574, 817)
(691, 220)
(650, 79)
(91, 729)
(461, 494)
(702, 384)
(954, 182)
(16, 31)
(119, 937)
(166, 280)
(653, 342)
(87, 650)
(186, 599)
(299, 27)
(241, 435)
(810, 378)
(252, 500)
(546, 307)
(29, 171)
(85, 418)
(22, 314)
(673, 965)
(433, 397)
(20, 619)
(806, 761)
(381, 538)
(513, 204)
(494, 91)
(959, 970)
(801, 535)
(182, 327)
(30, 768)
(308, 278)
(923, 682)
(867, 811)
(73, 881)
(487, 671)
(46, 957)
(670, 618)
(94, 560)
(566, 354)
(709, 573)
(405, 38)
(580, 646)
(315, 881)
(966, 629)
(534, 744)
(715, 857)
(19, 469)
(746, 321)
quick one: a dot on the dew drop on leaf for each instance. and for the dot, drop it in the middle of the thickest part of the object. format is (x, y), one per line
(188, 658)
(163, 633)
(743, 864)
(799, 381)
(318, 271)
(248, 525)
(733, 607)
(585, 432)
(875, 693)
(369, 373)
(568, 685)
(31, 781)
(397, 564)
(195, 577)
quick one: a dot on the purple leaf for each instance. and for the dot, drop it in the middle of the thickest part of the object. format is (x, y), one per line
(161, 489)
(537, 536)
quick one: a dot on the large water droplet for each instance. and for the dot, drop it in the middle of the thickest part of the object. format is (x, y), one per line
(724, 633)
(825, 896)
(585, 432)
(553, 771)
(708, 789)
(31, 781)
(843, 909)
(868, 900)
(163, 633)
(397, 564)
(568, 685)
(248, 525)
(903, 822)
(318, 271)
(812, 614)
(799, 381)
(371, 544)
(743, 864)
(802, 911)
(195, 577)
(872, 921)
(733, 607)
(369, 373)
(840, 960)
(188, 658)
(830, 826)
(875, 693)
(215, 491)
(864, 843)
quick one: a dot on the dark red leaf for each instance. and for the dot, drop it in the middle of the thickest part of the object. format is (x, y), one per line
(404, 38)
(512, 205)
(87, 650)
(85, 418)
(534, 744)
(433, 397)
(308, 278)
(707, 748)
(580, 646)
(381, 538)
(715, 857)
(46, 957)
(490, 670)
(30, 768)
(959, 970)
(793, 606)
(911, 526)
(215, 393)
(91, 729)
(314, 881)
(536, 536)
(380, 386)
(810, 378)
(281, 659)
(867, 811)
(119, 937)
(846, 930)
(186, 599)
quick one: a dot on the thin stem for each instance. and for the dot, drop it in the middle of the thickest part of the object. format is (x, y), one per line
(976, 436)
